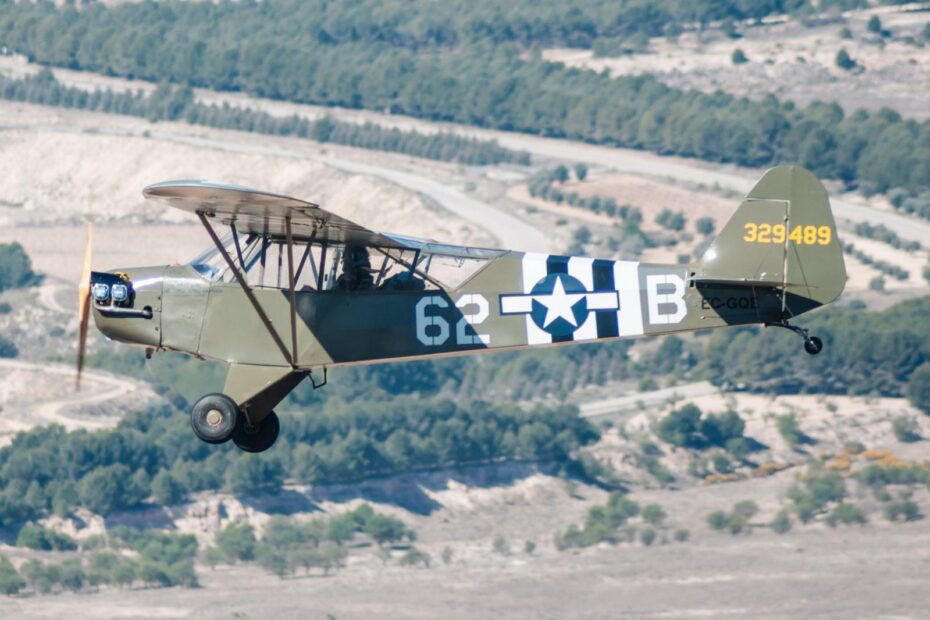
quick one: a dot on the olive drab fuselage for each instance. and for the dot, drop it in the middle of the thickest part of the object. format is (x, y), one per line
(778, 257)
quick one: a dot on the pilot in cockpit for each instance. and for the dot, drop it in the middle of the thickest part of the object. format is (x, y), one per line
(356, 270)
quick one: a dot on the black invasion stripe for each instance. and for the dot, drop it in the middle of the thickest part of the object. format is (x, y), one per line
(558, 264)
(607, 324)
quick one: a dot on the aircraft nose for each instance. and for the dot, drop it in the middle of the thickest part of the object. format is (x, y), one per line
(127, 304)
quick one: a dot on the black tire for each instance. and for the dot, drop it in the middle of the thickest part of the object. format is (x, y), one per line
(257, 439)
(210, 427)
(813, 345)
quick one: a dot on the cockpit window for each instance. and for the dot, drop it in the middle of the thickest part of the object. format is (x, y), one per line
(342, 267)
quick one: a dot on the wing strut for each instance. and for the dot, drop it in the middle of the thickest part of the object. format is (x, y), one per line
(291, 284)
(245, 288)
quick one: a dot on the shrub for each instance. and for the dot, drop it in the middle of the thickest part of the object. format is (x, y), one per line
(903, 508)
(10, 581)
(647, 536)
(7, 348)
(790, 431)
(781, 524)
(5, 308)
(717, 520)
(905, 428)
(844, 60)
(682, 535)
(846, 514)
(738, 57)
(653, 514)
(529, 547)
(447, 555)
(746, 509)
(500, 545)
(44, 539)
(415, 557)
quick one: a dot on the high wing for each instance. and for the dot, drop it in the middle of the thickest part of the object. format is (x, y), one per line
(256, 211)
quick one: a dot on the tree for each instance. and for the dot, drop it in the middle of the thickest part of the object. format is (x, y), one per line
(105, 489)
(874, 25)
(681, 426)
(705, 226)
(167, 490)
(738, 57)
(918, 388)
(8, 348)
(581, 171)
(844, 60)
(15, 267)
(560, 173)
(237, 542)
(385, 529)
(10, 581)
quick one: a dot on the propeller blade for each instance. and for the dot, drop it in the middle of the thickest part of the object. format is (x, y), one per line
(84, 303)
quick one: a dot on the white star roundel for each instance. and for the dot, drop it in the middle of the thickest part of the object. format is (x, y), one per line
(559, 304)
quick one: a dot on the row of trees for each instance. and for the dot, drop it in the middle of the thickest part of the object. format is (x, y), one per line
(178, 103)
(541, 185)
(131, 557)
(279, 49)
(153, 453)
(895, 271)
(878, 353)
(287, 546)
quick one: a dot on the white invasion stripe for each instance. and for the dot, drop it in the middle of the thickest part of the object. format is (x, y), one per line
(626, 281)
(516, 304)
(534, 270)
(582, 268)
(603, 301)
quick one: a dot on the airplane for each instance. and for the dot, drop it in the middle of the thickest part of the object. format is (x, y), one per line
(291, 290)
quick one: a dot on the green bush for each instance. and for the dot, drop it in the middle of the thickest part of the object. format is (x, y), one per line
(847, 514)
(905, 428)
(44, 539)
(8, 348)
(682, 535)
(415, 557)
(653, 514)
(918, 388)
(781, 524)
(738, 57)
(500, 545)
(904, 508)
(718, 519)
(647, 536)
(236, 542)
(10, 581)
(15, 267)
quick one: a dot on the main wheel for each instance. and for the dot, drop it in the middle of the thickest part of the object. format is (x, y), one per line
(214, 418)
(813, 345)
(257, 438)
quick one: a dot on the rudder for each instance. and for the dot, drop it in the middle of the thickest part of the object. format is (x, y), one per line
(782, 236)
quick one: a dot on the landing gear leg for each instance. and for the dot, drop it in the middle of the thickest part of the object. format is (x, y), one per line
(812, 344)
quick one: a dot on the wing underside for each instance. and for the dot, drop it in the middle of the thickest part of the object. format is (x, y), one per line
(255, 211)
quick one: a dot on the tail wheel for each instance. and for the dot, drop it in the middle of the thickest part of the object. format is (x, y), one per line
(813, 345)
(257, 438)
(214, 418)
